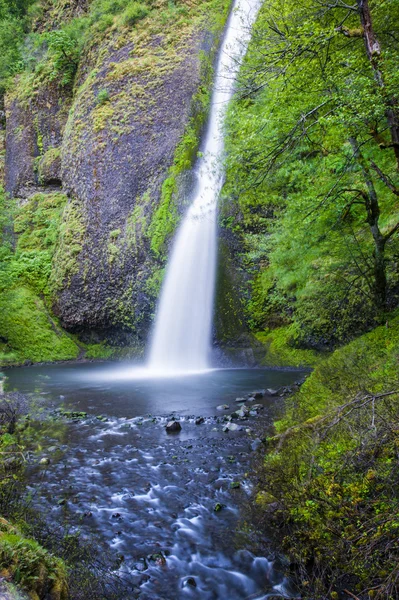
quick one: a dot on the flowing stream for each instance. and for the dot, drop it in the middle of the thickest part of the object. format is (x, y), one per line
(173, 505)
(182, 333)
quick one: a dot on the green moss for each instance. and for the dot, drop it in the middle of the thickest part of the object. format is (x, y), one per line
(165, 218)
(154, 282)
(114, 234)
(45, 163)
(30, 330)
(37, 225)
(27, 327)
(281, 351)
(99, 351)
(70, 243)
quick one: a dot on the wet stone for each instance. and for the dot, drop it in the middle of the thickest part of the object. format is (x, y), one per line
(235, 485)
(223, 407)
(255, 444)
(173, 427)
(199, 420)
(44, 461)
(190, 581)
(240, 400)
(272, 392)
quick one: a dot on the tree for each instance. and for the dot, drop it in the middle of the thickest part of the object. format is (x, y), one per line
(319, 113)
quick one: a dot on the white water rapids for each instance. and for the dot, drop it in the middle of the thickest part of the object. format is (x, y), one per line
(181, 338)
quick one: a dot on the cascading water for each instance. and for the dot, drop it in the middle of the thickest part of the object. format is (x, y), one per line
(182, 333)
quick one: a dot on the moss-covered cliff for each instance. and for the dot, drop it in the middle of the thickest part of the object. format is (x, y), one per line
(106, 112)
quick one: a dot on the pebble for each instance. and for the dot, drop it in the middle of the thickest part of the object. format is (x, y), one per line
(44, 461)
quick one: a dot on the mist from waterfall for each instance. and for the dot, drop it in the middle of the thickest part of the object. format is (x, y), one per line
(181, 338)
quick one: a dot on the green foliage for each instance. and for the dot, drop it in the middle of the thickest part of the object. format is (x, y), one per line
(135, 11)
(281, 351)
(26, 325)
(30, 565)
(307, 137)
(63, 55)
(30, 330)
(102, 97)
(331, 471)
(14, 23)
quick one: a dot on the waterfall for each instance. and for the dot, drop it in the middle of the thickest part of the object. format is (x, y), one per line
(181, 338)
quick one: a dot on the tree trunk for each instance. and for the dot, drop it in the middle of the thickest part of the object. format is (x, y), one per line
(373, 215)
(380, 275)
(373, 50)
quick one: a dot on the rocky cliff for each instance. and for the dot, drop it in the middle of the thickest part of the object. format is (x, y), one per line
(115, 127)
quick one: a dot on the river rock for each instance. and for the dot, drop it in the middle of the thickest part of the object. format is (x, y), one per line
(251, 399)
(243, 412)
(258, 394)
(231, 427)
(255, 444)
(190, 581)
(235, 485)
(257, 407)
(272, 392)
(44, 461)
(223, 407)
(240, 400)
(199, 420)
(173, 427)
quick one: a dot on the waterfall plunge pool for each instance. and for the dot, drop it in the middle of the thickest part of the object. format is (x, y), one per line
(123, 391)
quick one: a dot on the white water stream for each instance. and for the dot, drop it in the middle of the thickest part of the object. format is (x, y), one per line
(181, 338)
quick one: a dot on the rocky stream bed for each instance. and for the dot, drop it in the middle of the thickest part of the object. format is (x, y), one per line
(167, 494)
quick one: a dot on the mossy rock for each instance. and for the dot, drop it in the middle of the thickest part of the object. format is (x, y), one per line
(49, 167)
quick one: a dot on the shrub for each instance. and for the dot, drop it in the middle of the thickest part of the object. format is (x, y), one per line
(133, 13)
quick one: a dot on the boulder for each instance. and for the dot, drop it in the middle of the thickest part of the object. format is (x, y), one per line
(173, 427)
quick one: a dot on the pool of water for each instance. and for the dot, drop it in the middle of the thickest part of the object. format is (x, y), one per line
(150, 496)
(97, 387)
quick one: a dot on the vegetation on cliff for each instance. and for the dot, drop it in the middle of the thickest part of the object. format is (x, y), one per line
(313, 187)
(312, 140)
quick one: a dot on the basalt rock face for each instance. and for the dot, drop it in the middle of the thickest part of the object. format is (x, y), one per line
(115, 157)
(120, 142)
(34, 126)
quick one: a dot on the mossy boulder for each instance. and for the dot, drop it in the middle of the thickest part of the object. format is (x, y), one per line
(49, 167)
